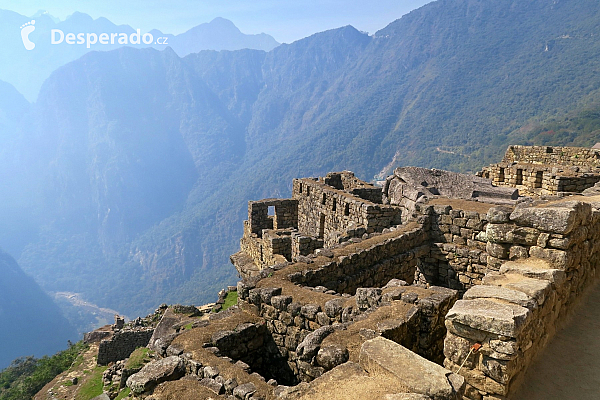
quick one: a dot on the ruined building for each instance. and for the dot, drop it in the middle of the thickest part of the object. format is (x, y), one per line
(437, 286)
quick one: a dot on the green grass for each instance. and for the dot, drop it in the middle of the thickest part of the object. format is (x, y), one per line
(138, 358)
(188, 326)
(124, 393)
(92, 387)
(27, 375)
(230, 300)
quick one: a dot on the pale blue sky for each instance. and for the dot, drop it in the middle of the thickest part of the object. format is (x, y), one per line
(285, 20)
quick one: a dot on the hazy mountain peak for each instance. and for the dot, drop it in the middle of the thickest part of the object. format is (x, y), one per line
(44, 13)
(79, 17)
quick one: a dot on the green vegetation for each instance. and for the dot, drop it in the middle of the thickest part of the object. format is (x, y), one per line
(449, 85)
(230, 300)
(123, 393)
(138, 358)
(92, 387)
(27, 375)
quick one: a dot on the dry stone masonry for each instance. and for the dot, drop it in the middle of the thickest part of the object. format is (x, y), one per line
(436, 286)
(545, 170)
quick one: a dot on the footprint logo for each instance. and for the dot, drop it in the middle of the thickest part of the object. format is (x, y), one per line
(26, 29)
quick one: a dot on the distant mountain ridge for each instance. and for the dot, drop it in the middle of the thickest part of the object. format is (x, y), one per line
(32, 324)
(149, 183)
(27, 70)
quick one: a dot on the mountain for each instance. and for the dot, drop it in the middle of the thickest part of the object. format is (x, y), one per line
(219, 34)
(12, 107)
(141, 162)
(31, 323)
(27, 70)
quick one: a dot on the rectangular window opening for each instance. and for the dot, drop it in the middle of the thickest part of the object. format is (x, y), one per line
(501, 175)
(271, 211)
(322, 226)
(539, 178)
(347, 209)
(519, 177)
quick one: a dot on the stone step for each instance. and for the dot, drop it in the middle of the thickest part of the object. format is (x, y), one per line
(488, 316)
(501, 293)
(538, 289)
(534, 268)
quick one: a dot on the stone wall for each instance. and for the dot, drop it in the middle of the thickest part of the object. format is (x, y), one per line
(329, 213)
(392, 257)
(535, 179)
(285, 215)
(122, 344)
(555, 251)
(457, 255)
(544, 170)
(552, 155)
(298, 329)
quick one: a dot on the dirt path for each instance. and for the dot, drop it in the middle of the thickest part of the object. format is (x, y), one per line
(569, 368)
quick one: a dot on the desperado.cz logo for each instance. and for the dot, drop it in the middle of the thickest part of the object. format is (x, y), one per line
(57, 36)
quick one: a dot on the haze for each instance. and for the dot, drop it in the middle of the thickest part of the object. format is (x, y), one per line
(287, 21)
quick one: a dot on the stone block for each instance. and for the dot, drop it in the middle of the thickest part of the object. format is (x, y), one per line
(489, 316)
(331, 356)
(537, 269)
(165, 369)
(501, 293)
(412, 372)
(561, 218)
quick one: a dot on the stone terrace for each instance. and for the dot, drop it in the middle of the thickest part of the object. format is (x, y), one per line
(456, 302)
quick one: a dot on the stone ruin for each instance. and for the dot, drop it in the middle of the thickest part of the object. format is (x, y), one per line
(411, 185)
(546, 170)
(351, 291)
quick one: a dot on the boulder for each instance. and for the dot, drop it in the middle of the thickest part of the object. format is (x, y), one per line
(165, 369)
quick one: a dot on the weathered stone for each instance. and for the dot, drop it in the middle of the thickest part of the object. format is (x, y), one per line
(281, 302)
(537, 269)
(214, 386)
(410, 297)
(394, 294)
(499, 215)
(333, 308)
(395, 283)
(561, 218)
(537, 289)
(509, 233)
(331, 356)
(267, 293)
(558, 259)
(211, 372)
(457, 349)
(367, 297)
(502, 293)
(489, 316)
(497, 250)
(322, 319)
(166, 369)
(229, 385)
(310, 311)
(310, 345)
(242, 365)
(244, 391)
(412, 372)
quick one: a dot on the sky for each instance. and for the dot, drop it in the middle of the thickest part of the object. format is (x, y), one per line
(285, 20)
